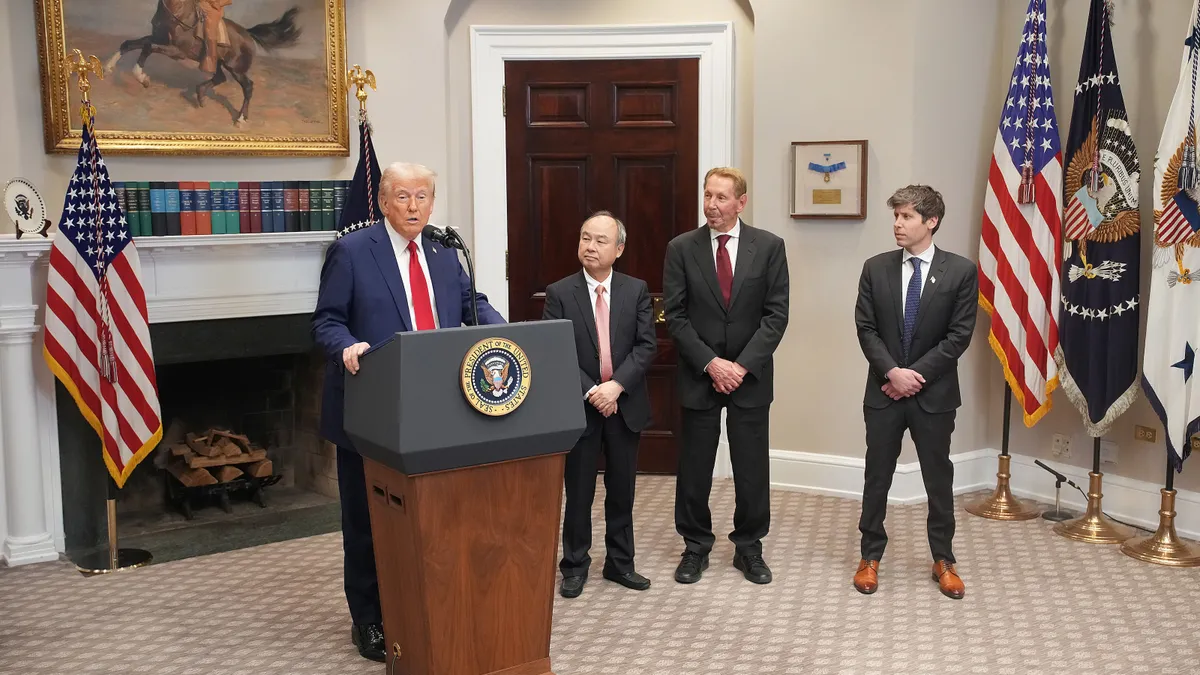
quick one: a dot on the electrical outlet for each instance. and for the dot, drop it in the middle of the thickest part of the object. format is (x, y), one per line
(1108, 452)
(1061, 446)
(1148, 434)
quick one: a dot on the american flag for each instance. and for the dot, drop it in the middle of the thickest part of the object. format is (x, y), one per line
(97, 335)
(1022, 227)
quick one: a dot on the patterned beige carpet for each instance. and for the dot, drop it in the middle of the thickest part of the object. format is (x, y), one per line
(1036, 603)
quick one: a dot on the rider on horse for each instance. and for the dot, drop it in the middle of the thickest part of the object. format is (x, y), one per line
(212, 23)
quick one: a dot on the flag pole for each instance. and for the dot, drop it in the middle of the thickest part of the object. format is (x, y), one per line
(1164, 547)
(1093, 526)
(1002, 505)
(112, 559)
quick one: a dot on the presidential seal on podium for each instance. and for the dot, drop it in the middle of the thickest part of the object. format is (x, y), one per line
(495, 376)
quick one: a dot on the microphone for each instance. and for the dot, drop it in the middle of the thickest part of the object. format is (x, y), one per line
(1061, 478)
(1057, 515)
(450, 238)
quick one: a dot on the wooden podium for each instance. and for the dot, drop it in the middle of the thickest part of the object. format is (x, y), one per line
(465, 498)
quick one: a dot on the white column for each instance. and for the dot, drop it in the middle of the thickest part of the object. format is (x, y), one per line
(28, 537)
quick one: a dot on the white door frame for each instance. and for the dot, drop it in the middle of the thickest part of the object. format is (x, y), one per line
(491, 46)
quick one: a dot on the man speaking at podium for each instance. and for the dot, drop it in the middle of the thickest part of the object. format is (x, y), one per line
(377, 281)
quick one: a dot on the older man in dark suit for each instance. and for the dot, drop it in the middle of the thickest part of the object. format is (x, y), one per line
(614, 337)
(375, 282)
(915, 315)
(726, 292)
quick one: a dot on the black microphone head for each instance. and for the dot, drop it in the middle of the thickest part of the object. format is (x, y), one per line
(434, 234)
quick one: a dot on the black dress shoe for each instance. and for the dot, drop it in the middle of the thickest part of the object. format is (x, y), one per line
(368, 637)
(572, 586)
(690, 568)
(753, 568)
(627, 579)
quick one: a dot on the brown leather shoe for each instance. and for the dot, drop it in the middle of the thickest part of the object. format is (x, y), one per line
(866, 580)
(949, 583)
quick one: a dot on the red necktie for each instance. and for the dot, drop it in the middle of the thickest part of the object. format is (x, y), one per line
(602, 336)
(422, 308)
(724, 268)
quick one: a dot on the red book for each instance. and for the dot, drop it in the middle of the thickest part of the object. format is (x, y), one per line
(243, 207)
(255, 206)
(187, 208)
(203, 207)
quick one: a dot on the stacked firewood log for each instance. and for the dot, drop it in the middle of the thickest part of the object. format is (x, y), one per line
(216, 456)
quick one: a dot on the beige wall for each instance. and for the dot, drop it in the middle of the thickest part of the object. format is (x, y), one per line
(926, 99)
(851, 70)
(1148, 45)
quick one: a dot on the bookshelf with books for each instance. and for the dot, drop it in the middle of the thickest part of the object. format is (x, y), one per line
(188, 208)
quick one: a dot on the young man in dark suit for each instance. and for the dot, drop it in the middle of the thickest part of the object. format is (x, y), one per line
(915, 316)
(375, 282)
(726, 292)
(614, 337)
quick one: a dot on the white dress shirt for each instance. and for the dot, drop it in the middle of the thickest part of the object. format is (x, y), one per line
(731, 245)
(400, 246)
(906, 272)
(592, 285)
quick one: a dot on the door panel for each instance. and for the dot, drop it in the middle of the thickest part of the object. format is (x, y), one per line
(620, 135)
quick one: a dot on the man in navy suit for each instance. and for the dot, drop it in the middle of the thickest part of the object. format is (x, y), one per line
(376, 282)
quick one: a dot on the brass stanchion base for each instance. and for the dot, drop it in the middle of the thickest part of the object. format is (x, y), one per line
(1164, 547)
(1002, 505)
(1093, 526)
(100, 562)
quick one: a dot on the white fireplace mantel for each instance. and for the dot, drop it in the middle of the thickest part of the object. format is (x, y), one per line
(192, 278)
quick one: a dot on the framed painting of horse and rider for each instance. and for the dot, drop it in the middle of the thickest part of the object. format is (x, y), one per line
(198, 77)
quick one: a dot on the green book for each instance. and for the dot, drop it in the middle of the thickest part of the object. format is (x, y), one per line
(217, 208)
(233, 224)
(143, 200)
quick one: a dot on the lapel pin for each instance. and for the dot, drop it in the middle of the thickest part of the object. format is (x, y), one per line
(932, 280)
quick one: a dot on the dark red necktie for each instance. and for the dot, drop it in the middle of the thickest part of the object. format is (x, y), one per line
(417, 286)
(724, 268)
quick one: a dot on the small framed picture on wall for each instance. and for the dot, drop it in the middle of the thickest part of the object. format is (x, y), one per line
(829, 179)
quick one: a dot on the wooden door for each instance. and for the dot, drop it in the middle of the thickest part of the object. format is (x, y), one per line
(619, 135)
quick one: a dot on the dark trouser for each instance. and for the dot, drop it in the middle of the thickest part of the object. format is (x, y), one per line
(749, 454)
(362, 586)
(931, 434)
(619, 445)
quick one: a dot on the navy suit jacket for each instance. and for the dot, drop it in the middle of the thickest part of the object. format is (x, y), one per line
(362, 299)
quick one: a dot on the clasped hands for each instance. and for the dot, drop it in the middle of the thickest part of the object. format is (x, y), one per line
(726, 375)
(604, 397)
(902, 382)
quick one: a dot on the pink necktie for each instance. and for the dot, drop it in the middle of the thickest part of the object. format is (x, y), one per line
(602, 336)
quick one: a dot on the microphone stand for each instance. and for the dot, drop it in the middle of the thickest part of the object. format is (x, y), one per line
(455, 241)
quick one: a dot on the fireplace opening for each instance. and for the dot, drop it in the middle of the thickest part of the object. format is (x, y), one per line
(240, 463)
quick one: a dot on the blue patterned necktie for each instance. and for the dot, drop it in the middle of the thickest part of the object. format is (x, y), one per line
(912, 303)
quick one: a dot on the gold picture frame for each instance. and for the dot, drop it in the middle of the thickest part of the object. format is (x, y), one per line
(295, 60)
(829, 179)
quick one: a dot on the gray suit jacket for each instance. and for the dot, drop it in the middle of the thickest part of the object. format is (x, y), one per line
(945, 324)
(702, 327)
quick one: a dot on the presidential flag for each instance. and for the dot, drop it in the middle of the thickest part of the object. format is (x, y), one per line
(362, 200)
(97, 335)
(1022, 228)
(1173, 310)
(1099, 318)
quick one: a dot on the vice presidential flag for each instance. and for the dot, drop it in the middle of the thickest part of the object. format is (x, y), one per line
(1099, 319)
(1173, 312)
(1022, 227)
(97, 335)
